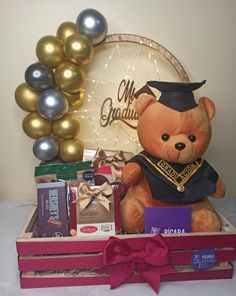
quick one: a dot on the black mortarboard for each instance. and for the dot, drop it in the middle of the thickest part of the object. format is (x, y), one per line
(177, 95)
(145, 89)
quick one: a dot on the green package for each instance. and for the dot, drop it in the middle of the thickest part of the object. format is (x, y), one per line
(62, 171)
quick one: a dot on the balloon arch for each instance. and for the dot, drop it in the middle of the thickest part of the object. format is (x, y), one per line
(53, 87)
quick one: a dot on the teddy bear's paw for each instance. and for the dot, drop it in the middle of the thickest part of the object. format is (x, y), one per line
(132, 216)
(205, 220)
(220, 189)
(131, 174)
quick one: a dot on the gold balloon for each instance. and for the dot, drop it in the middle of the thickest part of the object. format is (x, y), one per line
(49, 51)
(71, 150)
(26, 97)
(69, 77)
(76, 99)
(65, 30)
(66, 128)
(35, 126)
(78, 49)
(75, 107)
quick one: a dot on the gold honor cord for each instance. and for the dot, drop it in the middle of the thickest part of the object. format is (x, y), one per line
(170, 174)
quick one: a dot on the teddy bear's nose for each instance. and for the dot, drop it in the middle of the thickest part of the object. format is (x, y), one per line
(179, 146)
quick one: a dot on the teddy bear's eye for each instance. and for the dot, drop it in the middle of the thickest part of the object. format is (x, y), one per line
(165, 137)
(192, 138)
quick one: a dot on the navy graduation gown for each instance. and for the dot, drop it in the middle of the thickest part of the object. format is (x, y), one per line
(200, 178)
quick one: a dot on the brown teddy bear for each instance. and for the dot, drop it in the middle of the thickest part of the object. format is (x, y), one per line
(174, 131)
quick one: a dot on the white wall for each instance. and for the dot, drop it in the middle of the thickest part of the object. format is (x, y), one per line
(200, 33)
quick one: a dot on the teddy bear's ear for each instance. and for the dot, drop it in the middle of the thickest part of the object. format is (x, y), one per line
(208, 106)
(143, 101)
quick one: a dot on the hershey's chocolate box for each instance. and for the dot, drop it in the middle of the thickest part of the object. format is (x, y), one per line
(52, 209)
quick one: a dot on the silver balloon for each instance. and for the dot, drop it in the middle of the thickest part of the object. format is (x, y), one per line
(39, 76)
(45, 148)
(92, 24)
(52, 104)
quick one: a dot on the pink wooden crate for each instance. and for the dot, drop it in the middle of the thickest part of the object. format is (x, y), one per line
(69, 261)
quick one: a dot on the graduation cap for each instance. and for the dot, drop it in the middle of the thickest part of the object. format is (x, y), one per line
(177, 95)
(144, 90)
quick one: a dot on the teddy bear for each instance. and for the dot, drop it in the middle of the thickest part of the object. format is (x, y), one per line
(174, 132)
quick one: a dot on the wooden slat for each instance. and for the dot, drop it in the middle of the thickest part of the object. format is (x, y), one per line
(30, 280)
(72, 246)
(33, 263)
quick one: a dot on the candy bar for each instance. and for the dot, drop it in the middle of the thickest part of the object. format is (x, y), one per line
(52, 210)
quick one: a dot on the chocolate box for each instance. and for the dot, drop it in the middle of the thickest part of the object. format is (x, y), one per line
(52, 213)
(111, 162)
(98, 217)
(90, 153)
(71, 261)
(94, 219)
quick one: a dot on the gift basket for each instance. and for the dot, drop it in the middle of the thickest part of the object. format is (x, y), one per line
(121, 184)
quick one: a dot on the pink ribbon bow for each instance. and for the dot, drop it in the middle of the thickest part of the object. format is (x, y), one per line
(121, 262)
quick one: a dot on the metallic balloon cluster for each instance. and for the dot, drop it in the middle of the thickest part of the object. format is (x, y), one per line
(53, 87)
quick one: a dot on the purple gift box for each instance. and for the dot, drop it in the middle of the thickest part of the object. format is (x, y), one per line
(167, 220)
(52, 209)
